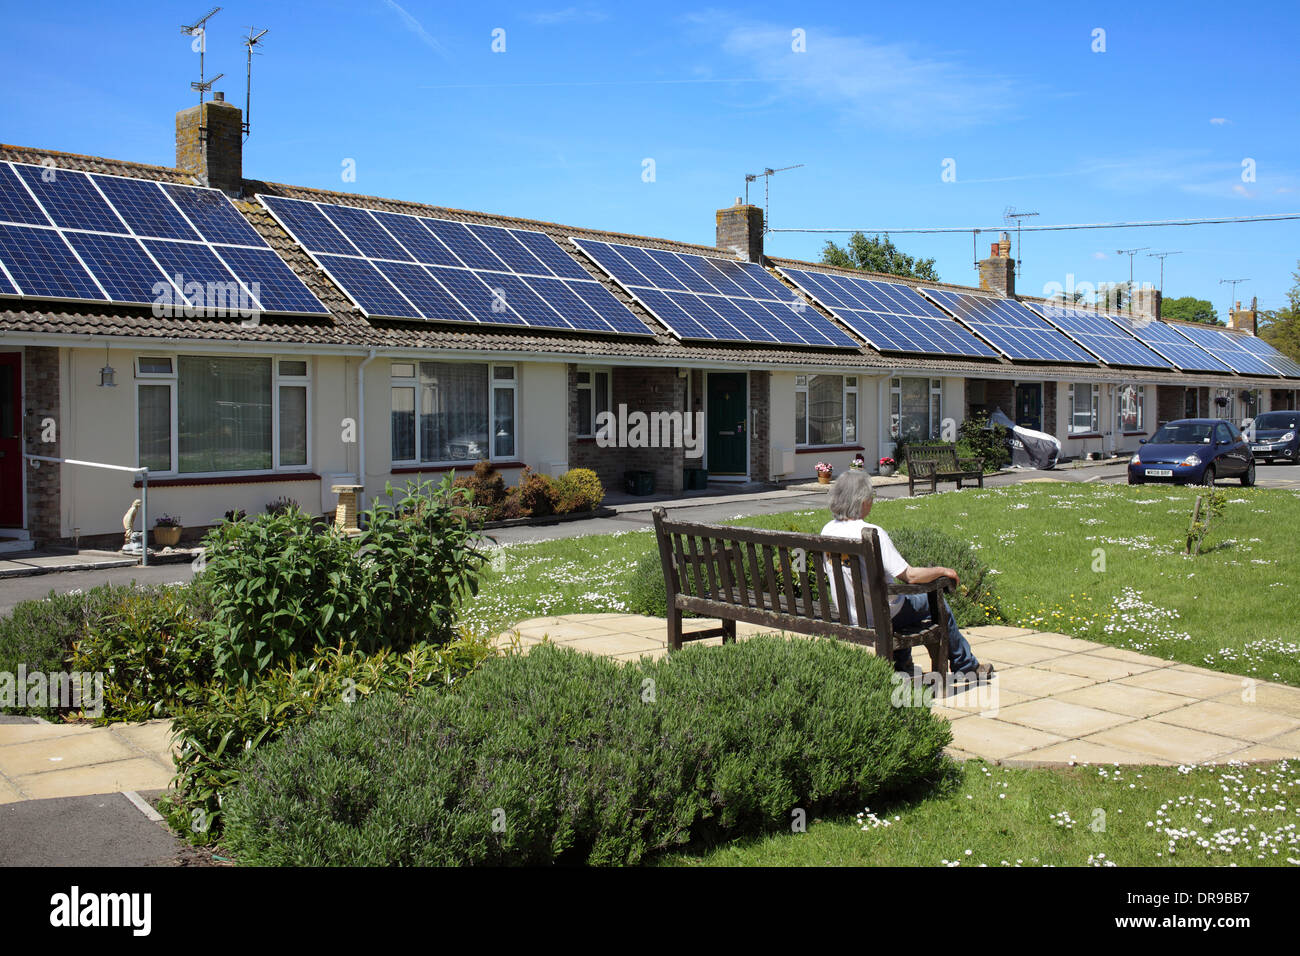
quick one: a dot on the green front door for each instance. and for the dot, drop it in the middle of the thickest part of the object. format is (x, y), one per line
(728, 417)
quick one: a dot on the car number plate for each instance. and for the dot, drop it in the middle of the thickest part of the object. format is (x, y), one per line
(1261, 447)
(1160, 472)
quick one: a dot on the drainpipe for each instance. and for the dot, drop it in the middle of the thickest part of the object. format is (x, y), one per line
(361, 427)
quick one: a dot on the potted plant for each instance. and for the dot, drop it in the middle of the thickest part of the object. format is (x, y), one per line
(824, 470)
(167, 531)
(887, 466)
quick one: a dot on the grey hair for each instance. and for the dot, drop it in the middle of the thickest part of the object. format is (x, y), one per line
(850, 493)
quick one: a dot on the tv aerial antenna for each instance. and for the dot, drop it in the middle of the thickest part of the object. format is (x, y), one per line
(767, 175)
(1162, 256)
(199, 31)
(250, 42)
(1232, 293)
(1009, 214)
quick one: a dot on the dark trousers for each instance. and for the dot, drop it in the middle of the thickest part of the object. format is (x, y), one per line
(916, 610)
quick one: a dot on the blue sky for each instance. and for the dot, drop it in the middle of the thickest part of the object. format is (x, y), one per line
(559, 125)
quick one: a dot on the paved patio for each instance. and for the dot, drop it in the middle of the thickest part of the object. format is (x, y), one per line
(1056, 700)
(39, 760)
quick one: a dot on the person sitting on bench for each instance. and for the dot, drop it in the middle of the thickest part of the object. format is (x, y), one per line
(851, 498)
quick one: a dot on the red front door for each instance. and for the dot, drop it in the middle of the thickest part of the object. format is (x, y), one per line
(11, 440)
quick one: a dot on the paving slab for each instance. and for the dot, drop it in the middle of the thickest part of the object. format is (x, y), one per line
(136, 773)
(1082, 752)
(1189, 683)
(61, 753)
(1233, 720)
(1168, 742)
(1125, 699)
(1033, 682)
(1096, 668)
(1015, 652)
(997, 739)
(1061, 718)
(1278, 698)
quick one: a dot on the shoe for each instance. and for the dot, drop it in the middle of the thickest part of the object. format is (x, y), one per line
(982, 674)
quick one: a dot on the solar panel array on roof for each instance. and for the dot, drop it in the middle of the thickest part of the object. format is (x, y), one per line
(1225, 347)
(1284, 364)
(78, 236)
(1010, 327)
(1163, 340)
(715, 299)
(416, 267)
(1110, 342)
(891, 317)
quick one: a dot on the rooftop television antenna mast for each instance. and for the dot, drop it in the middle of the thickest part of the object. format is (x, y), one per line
(250, 41)
(1131, 253)
(1162, 256)
(200, 46)
(767, 174)
(1017, 216)
(1232, 294)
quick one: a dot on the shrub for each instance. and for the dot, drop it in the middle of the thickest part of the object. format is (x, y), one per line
(487, 489)
(538, 493)
(646, 592)
(975, 440)
(559, 756)
(579, 490)
(151, 648)
(282, 505)
(227, 722)
(974, 602)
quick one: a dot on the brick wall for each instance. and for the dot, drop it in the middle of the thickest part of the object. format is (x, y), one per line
(646, 390)
(998, 393)
(1282, 398)
(760, 435)
(740, 231)
(44, 486)
(1050, 390)
(998, 274)
(214, 154)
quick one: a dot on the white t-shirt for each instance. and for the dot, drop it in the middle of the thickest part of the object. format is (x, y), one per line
(889, 557)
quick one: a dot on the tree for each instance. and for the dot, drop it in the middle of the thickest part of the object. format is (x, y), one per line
(1280, 328)
(1190, 309)
(878, 255)
(1112, 296)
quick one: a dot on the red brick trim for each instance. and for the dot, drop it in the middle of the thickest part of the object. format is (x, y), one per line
(260, 479)
(822, 449)
(1093, 435)
(1131, 434)
(437, 468)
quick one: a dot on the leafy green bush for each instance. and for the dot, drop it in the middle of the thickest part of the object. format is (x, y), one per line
(646, 592)
(565, 757)
(151, 648)
(974, 602)
(579, 490)
(975, 440)
(226, 722)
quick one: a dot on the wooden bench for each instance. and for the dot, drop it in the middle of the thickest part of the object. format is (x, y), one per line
(766, 578)
(931, 464)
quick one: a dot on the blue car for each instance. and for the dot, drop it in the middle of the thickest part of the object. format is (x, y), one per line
(1193, 451)
(1276, 437)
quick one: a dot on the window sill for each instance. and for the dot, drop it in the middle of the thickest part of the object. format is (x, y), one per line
(1131, 434)
(431, 469)
(1086, 435)
(256, 479)
(819, 449)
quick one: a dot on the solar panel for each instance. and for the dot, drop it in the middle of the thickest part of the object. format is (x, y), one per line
(708, 297)
(7, 287)
(128, 240)
(1010, 327)
(1283, 363)
(42, 265)
(145, 208)
(400, 266)
(1165, 341)
(1225, 347)
(189, 263)
(213, 215)
(1110, 342)
(891, 317)
(70, 199)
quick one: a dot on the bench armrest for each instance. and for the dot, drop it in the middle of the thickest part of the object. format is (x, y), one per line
(938, 584)
(974, 464)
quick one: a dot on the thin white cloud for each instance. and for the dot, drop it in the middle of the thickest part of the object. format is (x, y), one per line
(548, 18)
(1242, 191)
(416, 27)
(880, 84)
(1100, 255)
(1219, 121)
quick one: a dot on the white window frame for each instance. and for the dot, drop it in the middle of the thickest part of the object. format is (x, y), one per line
(1140, 400)
(590, 386)
(512, 384)
(172, 381)
(934, 395)
(801, 388)
(1094, 392)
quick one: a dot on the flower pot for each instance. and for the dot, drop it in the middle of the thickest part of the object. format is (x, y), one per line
(823, 477)
(886, 471)
(167, 537)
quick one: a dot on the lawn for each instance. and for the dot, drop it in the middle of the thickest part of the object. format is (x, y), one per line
(1100, 562)
(1079, 816)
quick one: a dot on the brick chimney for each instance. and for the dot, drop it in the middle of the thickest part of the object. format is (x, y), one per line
(209, 143)
(998, 271)
(1245, 319)
(1145, 301)
(740, 231)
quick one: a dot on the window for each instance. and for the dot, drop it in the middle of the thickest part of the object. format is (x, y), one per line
(1083, 409)
(825, 409)
(450, 412)
(915, 408)
(594, 396)
(214, 414)
(1129, 400)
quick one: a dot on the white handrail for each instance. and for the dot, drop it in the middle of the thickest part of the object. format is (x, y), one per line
(144, 493)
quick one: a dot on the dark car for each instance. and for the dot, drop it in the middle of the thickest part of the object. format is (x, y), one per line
(1275, 436)
(1193, 451)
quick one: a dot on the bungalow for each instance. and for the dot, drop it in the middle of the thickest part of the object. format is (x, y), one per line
(306, 378)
